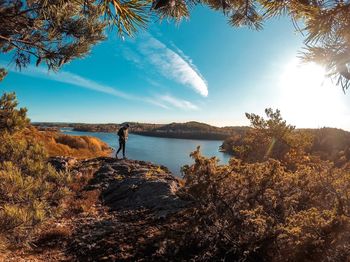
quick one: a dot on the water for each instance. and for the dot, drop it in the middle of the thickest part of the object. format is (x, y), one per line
(170, 152)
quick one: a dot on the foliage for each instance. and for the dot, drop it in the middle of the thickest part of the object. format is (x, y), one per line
(3, 73)
(77, 146)
(127, 16)
(271, 203)
(188, 130)
(50, 31)
(271, 138)
(11, 119)
(325, 143)
(191, 130)
(263, 212)
(332, 144)
(59, 31)
(30, 188)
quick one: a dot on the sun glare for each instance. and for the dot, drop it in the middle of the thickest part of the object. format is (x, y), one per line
(307, 97)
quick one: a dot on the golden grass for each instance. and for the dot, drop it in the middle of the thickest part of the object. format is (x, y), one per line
(58, 144)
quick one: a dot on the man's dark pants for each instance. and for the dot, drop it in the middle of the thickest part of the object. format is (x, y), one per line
(121, 146)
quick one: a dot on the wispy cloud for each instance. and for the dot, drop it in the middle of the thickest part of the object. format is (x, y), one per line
(164, 101)
(178, 103)
(70, 78)
(172, 64)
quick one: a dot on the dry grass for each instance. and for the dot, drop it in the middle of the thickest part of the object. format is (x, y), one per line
(82, 203)
(52, 235)
(58, 144)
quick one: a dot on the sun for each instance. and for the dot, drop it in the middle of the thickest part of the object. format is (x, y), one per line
(307, 96)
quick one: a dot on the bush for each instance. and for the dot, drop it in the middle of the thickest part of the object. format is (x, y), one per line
(79, 146)
(274, 202)
(263, 212)
(273, 138)
(58, 144)
(30, 188)
(270, 138)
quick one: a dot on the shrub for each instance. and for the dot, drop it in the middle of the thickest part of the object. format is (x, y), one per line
(30, 188)
(265, 212)
(11, 118)
(58, 144)
(273, 138)
(270, 138)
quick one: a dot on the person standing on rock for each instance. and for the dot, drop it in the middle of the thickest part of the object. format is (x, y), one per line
(123, 136)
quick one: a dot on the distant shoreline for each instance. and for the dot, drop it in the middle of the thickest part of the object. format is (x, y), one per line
(170, 136)
(188, 130)
(189, 136)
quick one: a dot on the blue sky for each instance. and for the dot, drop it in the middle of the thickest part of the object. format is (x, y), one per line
(201, 69)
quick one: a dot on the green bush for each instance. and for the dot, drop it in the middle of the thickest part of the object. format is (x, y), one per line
(274, 202)
(264, 212)
(270, 138)
(30, 188)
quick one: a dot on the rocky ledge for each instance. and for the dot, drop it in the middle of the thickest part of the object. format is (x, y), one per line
(133, 185)
(137, 203)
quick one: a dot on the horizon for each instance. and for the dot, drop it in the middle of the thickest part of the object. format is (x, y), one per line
(177, 74)
(131, 122)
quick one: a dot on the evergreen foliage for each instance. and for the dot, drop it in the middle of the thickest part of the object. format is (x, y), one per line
(56, 32)
(30, 188)
(264, 212)
(11, 118)
(53, 32)
(271, 138)
(286, 205)
(3, 73)
(274, 138)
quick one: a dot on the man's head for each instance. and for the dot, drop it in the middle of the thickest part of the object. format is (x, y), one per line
(126, 126)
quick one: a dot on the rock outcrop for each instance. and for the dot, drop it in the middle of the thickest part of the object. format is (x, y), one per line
(136, 205)
(130, 184)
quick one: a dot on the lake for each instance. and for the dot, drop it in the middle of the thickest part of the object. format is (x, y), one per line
(170, 152)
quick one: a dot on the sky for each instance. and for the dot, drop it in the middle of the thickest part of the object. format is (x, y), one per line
(199, 70)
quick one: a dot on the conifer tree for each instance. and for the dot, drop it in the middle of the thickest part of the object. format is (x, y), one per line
(56, 32)
(30, 188)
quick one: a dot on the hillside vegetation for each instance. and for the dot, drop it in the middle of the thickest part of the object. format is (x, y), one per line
(326, 143)
(107, 128)
(31, 190)
(58, 144)
(284, 197)
(193, 130)
(188, 130)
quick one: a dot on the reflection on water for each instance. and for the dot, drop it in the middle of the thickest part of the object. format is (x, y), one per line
(170, 152)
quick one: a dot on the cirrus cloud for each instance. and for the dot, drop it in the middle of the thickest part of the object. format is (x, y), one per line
(171, 64)
(163, 101)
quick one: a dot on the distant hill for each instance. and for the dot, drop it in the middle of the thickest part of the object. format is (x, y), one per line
(331, 144)
(192, 130)
(108, 128)
(189, 130)
(328, 143)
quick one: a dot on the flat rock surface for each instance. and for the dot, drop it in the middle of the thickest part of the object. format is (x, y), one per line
(129, 206)
(138, 204)
(132, 185)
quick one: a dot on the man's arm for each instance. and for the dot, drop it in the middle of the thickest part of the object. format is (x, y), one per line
(126, 134)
